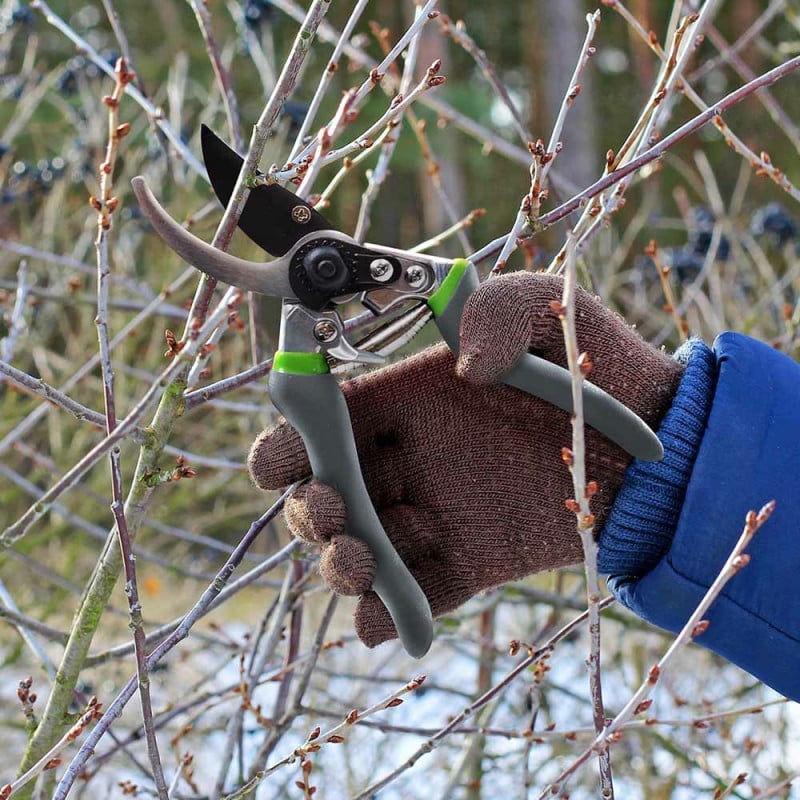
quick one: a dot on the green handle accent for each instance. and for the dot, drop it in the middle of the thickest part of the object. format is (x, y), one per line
(300, 363)
(544, 379)
(315, 406)
(439, 300)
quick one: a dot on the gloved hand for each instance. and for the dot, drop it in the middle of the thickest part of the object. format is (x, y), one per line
(467, 476)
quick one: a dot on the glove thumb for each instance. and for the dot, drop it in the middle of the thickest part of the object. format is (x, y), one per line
(502, 319)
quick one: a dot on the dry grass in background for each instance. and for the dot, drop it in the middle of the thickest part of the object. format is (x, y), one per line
(107, 418)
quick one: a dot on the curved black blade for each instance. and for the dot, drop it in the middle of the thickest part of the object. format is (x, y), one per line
(269, 216)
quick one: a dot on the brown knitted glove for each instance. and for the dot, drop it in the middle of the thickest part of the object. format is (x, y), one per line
(467, 476)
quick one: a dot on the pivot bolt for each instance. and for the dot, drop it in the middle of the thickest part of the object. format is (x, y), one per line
(325, 331)
(380, 269)
(301, 214)
(415, 275)
(327, 270)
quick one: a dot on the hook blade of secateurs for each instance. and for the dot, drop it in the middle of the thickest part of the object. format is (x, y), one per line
(273, 217)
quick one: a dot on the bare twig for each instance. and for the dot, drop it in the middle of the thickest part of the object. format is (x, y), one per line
(364, 140)
(203, 17)
(534, 655)
(155, 113)
(695, 625)
(580, 365)
(316, 739)
(26, 425)
(542, 157)
(681, 325)
(760, 162)
(51, 759)
(327, 76)
(201, 607)
(106, 204)
(16, 321)
(378, 175)
(458, 33)
(652, 154)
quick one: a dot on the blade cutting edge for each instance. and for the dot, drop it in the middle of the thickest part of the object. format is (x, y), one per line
(273, 217)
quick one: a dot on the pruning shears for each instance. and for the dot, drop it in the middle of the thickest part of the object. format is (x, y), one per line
(316, 268)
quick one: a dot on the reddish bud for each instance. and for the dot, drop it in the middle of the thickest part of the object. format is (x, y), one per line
(643, 706)
(585, 364)
(741, 561)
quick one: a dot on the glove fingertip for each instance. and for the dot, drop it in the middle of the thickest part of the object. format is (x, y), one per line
(476, 365)
(315, 512)
(348, 566)
(278, 458)
(372, 621)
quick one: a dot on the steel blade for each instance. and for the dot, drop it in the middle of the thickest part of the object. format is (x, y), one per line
(273, 217)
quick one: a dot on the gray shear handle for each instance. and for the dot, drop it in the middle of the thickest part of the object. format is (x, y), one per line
(315, 406)
(552, 383)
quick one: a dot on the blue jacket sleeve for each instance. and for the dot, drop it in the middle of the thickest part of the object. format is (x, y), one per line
(732, 443)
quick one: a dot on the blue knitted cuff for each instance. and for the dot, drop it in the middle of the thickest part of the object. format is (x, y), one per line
(644, 516)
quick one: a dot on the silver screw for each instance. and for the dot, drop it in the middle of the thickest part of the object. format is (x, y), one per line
(301, 214)
(325, 331)
(415, 275)
(380, 269)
